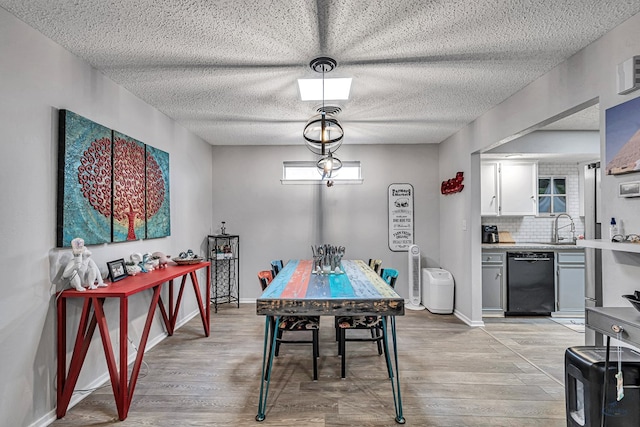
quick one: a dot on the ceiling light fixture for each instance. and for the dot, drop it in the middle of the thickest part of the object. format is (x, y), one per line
(328, 166)
(323, 133)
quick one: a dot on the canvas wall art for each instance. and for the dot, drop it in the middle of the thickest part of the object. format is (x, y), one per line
(84, 181)
(111, 187)
(129, 207)
(622, 149)
(157, 182)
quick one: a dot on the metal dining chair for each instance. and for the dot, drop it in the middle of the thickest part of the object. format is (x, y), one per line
(373, 323)
(389, 275)
(293, 323)
(265, 277)
(276, 266)
(375, 264)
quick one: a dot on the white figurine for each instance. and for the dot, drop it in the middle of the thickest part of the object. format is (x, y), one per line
(81, 270)
(162, 259)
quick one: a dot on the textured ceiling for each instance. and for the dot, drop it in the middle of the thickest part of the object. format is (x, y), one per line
(587, 119)
(227, 70)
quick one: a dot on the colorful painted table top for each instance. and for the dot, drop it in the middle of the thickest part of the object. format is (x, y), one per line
(359, 291)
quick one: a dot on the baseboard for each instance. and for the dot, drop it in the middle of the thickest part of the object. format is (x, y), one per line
(465, 319)
(493, 314)
(575, 314)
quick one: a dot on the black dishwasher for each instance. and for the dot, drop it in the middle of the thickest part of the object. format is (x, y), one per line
(530, 283)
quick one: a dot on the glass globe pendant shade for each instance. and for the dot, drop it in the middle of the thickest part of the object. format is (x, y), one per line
(329, 166)
(323, 134)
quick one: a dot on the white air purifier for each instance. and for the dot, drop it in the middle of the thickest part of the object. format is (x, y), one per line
(414, 279)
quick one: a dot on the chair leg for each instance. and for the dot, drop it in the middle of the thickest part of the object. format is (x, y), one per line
(277, 352)
(378, 337)
(315, 354)
(343, 351)
(316, 339)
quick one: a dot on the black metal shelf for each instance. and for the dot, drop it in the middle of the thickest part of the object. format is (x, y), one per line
(223, 250)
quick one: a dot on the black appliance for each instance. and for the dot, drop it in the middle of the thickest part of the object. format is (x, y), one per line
(530, 283)
(584, 383)
(490, 234)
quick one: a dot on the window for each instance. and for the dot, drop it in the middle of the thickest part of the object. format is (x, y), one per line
(307, 173)
(552, 195)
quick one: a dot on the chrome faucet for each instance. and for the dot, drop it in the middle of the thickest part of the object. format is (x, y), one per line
(556, 237)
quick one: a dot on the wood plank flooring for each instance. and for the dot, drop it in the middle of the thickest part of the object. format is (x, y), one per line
(509, 373)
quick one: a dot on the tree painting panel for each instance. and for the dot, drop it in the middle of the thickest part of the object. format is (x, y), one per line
(84, 181)
(158, 206)
(129, 214)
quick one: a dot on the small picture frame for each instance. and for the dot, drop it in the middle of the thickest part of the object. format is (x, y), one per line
(117, 270)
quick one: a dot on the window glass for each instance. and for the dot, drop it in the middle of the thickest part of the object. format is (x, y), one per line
(552, 195)
(307, 172)
(544, 186)
(544, 205)
(559, 186)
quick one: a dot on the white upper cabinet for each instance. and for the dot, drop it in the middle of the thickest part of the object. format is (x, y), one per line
(518, 188)
(509, 188)
(489, 205)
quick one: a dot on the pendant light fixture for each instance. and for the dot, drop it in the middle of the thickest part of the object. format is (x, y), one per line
(323, 133)
(328, 166)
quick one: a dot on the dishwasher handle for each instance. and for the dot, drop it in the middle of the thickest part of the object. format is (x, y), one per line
(531, 259)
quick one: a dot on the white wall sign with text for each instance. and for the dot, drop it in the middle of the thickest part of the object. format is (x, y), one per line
(400, 217)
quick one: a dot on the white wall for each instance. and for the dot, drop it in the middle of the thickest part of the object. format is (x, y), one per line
(38, 77)
(283, 221)
(588, 75)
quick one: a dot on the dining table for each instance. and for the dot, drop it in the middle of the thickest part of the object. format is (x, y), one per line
(353, 289)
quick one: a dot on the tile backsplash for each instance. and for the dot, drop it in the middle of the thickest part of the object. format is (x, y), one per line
(540, 229)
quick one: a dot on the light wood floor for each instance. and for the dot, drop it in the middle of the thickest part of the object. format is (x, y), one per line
(509, 373)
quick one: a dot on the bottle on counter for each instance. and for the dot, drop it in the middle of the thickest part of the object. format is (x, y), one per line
(613, 229)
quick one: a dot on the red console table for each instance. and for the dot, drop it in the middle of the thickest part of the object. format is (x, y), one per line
(122, 386)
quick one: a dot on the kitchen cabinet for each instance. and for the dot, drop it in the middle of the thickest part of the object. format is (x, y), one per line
(518, 188)
(509, 188)
(489, 205)
(492, 282)
(570, 281)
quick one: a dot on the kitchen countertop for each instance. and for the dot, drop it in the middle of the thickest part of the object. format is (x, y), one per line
(531, 246)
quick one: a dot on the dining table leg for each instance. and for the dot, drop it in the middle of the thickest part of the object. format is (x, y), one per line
(395, 388)
(270, 335)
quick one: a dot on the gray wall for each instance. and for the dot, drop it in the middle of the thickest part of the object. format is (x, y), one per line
(282, 221)
(38, 78)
